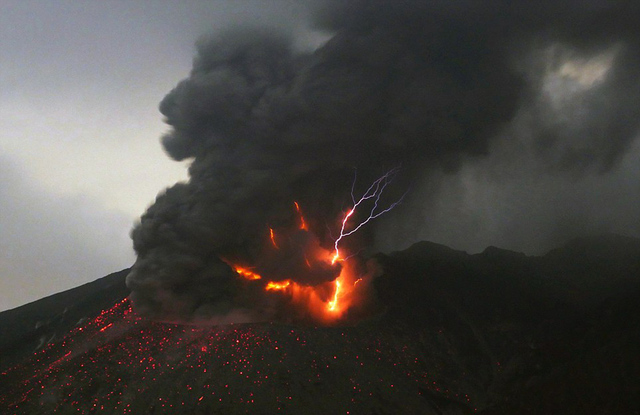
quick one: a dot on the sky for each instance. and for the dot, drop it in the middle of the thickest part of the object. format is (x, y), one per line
(80, 153)
(81, 159)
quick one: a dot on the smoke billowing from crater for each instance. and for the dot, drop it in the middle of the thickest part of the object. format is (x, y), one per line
(428, 86)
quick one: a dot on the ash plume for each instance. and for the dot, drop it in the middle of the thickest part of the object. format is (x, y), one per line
(425, 85)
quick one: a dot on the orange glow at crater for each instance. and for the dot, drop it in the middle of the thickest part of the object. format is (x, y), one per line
(333, 304)
(331, 285)
(326, 301)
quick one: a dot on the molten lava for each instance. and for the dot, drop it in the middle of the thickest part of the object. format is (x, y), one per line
(246, 273)
(333, 304)
(324, 302)
(332, 286)
(277, 285)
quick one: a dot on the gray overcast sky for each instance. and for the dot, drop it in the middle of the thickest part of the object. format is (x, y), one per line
(80, 83)
(80, 157)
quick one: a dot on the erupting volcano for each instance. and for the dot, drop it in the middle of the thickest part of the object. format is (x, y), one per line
(264, 230)
(261, 283)
(460, 334)
(122, 359)
(325, 300)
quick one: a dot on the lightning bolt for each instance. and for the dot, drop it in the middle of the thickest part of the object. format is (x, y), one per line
(374, 192)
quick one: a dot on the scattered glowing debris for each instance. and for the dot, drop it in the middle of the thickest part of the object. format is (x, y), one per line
(207, 369)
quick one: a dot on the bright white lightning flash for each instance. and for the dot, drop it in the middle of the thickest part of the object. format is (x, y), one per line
(373, 192)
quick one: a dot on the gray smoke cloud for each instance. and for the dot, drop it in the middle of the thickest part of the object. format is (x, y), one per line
(429, 86)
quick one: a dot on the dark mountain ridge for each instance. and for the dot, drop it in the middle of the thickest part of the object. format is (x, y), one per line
(495, 332)
(28, 328)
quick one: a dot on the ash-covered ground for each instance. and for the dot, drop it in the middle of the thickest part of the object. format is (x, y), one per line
(496, 332)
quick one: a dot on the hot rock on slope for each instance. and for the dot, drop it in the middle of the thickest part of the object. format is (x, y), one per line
(496, 332)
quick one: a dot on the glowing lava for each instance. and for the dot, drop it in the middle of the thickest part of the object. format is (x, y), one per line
(333, 304)
(276, 286)
(246, 273)
(324, 301)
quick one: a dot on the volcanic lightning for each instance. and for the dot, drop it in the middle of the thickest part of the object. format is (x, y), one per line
(333, 304)
(314, 297)
(263, 123)
(373, 192)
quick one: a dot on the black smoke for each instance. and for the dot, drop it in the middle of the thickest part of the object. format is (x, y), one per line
(423, 85)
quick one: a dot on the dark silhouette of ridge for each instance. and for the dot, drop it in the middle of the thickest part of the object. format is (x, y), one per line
(497, 332)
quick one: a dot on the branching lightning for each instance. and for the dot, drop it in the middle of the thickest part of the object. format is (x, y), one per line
(346, 281)
(374, 192)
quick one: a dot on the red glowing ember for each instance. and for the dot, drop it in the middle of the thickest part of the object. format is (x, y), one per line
(121, 363)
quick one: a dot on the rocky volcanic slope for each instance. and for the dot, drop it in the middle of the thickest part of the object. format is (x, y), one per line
(492, 333)
(30, 327)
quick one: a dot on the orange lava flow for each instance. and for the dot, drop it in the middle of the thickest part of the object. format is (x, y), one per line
(277, 285)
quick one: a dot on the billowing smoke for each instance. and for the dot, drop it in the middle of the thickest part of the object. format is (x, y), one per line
(426, 86)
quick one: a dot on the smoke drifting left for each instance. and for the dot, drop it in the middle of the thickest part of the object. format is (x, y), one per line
(399, 83)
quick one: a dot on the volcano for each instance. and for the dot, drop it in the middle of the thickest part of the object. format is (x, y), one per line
(497, 332)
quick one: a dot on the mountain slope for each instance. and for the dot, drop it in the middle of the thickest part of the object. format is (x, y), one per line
(496, 332)
(28, 328)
